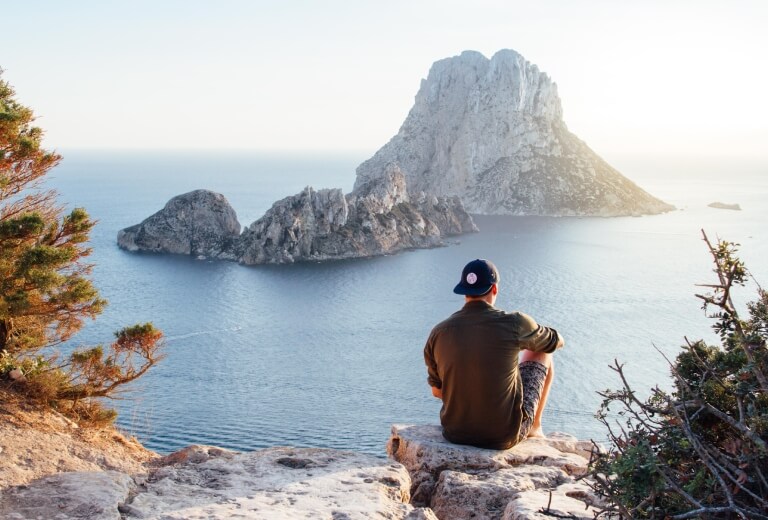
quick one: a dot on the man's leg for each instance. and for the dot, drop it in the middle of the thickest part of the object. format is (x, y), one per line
(546, 360)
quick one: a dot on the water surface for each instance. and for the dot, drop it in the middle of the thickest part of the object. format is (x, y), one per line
(330, 354)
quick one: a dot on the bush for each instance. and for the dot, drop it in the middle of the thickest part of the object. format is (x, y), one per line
(45, 292)
(700, 451)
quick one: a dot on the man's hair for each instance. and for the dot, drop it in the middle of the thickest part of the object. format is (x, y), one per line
(479, 296)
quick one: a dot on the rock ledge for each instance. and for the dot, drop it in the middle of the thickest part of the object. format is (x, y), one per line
(426, 478)
(463, 482)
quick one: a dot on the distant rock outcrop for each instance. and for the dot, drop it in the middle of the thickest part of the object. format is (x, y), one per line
(723, 205)
(198, 223)
(378, 218)
(491, 132)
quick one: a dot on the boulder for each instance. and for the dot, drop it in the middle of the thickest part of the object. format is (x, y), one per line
(73, 495)
(459, 482)
(200, 223)
(51, 469)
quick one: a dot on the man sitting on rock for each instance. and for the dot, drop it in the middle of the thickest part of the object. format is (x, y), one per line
(492, 369)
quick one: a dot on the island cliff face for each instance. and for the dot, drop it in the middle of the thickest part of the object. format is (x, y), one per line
(378, 218)
(199, 223)
(491, 131)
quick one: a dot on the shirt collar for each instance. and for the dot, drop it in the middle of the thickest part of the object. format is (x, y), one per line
(478, 305)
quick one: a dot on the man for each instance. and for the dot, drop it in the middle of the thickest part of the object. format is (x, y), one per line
(492, 369)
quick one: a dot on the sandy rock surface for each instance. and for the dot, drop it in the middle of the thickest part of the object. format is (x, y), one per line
(275, 483)
(459, 482)
(35, 443)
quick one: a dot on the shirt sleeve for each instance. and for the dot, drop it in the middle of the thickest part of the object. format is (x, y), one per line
(538, 338)
(433, 378)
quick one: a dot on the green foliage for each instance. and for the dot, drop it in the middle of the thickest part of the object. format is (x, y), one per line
(45, 291)
(700, 451)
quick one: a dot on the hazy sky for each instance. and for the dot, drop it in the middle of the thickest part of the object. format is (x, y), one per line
(635, 77)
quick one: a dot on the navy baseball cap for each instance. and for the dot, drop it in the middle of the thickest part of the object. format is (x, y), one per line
(477, 278)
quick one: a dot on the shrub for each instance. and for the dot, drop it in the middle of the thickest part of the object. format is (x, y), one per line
(701, 450)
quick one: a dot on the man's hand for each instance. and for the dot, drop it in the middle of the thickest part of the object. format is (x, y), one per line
(437, 392)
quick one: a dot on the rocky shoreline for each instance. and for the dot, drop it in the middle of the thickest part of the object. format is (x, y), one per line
(50, 468)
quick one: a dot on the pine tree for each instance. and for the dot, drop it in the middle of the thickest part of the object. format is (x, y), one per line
(45, 290)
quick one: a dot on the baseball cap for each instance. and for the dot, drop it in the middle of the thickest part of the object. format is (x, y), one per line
(477, 278)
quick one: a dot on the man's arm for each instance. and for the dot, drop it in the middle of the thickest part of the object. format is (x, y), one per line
(538, 338)
(433, 378)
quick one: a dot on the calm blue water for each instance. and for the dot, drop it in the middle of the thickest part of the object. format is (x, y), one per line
(330, 354)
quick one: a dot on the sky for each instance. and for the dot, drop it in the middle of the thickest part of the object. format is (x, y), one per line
(672, 77)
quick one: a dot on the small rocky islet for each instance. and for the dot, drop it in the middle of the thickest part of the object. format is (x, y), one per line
(724, 205)
(485, 136)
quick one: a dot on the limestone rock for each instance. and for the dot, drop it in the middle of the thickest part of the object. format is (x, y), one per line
(74, 495)
(460, 495)
(379, 218)
(199, 223)
(275, 483)
(459, 482)
(542, 504)
(491, 132)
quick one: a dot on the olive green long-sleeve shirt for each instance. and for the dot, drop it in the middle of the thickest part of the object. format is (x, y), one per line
(473, 358)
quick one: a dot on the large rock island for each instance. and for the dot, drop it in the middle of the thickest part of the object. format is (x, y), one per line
(491, 131)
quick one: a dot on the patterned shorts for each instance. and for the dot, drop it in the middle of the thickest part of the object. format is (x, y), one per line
(533, 375)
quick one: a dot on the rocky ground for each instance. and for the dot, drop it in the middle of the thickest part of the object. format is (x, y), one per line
(35, 443)
(50, 468)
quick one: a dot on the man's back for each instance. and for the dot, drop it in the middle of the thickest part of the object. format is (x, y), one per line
(472, 357)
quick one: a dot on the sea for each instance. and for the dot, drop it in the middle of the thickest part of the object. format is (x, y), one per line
(330, 354)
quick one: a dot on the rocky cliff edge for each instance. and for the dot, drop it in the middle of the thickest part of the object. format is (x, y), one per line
(49, 468)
